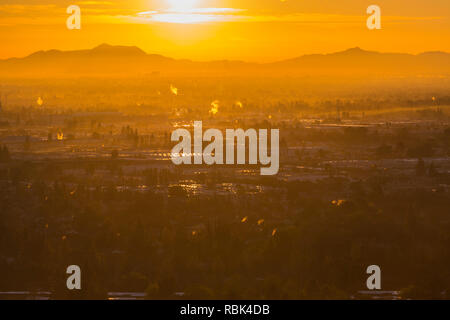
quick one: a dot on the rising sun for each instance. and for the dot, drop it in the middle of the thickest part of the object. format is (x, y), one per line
(181, 5)
(182, 11)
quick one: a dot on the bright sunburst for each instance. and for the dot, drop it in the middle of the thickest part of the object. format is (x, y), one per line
(181, 5)
(188, 12)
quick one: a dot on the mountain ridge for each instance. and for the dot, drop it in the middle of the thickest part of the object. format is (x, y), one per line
(122, 60)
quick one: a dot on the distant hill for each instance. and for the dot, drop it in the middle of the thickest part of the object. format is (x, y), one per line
(107, 60)
(361, 61)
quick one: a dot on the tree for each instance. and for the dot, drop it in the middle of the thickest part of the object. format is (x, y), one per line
(114, 154)
(4, 154)
(420, 167)
(432, 172)
(27, 143)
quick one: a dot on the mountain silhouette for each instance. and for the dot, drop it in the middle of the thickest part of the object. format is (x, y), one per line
(105, 60)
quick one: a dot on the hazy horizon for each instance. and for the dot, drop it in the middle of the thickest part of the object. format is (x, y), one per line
(224, 59)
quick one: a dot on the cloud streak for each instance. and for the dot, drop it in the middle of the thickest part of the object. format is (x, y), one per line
(194, 15)
(202, 15)
(105, 12)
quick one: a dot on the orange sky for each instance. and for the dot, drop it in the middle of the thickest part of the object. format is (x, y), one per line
(253, 30)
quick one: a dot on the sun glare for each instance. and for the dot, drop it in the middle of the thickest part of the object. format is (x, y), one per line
(186, 11)
(183, 18)
(182, 5)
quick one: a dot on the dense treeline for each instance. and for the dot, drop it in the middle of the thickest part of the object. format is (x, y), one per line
(287, 244)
